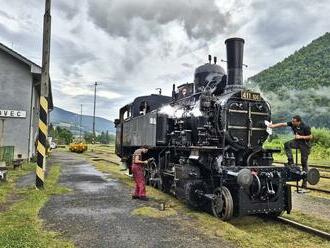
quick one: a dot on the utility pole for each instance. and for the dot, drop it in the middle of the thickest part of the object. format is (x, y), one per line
(80, 122)
(94, 136)
(44, 96)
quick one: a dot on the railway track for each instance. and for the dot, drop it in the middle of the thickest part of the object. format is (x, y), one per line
(281, 219)
(309, 188)
(325, 167)
(304, 228)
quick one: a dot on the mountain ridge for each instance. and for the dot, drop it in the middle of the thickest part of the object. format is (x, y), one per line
(70, 120)
(299, 84)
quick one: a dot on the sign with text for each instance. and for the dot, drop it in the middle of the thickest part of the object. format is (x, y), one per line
(12, 113)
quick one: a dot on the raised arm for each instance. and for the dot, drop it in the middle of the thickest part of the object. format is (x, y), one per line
(304, 137)
(282, 124)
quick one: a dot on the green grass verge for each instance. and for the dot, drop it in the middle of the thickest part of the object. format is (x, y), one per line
(309, 220)
(154, 212)
(8, 186)
(246, 232)
(20, 226)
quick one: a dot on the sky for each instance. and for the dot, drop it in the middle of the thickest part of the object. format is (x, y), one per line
(132, 47)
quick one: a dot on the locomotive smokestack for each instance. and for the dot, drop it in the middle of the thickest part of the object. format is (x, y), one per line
(235, 48)
(215, 59)
(210, 58)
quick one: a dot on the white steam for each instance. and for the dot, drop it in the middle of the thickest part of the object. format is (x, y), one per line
(179, 111)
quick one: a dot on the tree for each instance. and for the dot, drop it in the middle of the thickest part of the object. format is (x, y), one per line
(88, 136)
(64, 135)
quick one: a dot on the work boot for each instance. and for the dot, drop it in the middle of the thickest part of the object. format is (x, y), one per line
(303, 191)
(144, 198)
(135, 197)
(304, 184)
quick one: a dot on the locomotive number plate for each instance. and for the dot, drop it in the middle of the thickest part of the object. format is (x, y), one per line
(249, 95)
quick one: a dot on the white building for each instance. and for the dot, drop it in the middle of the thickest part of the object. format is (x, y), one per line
(19, 101)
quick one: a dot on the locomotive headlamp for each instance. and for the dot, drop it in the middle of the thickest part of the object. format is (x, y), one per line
(313, 176)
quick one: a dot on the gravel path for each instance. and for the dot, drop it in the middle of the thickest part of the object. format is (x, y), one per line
(311, 205)
(97, 213)
(27, 180)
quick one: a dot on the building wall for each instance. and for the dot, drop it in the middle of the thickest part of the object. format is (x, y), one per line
(15, 94)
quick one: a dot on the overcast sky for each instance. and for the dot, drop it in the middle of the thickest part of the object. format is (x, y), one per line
(133, 47)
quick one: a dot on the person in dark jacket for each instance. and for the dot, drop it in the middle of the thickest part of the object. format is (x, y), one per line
(302, 137)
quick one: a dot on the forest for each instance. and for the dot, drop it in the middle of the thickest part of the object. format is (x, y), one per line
(300, 84)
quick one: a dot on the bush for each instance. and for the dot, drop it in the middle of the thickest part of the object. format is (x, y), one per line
(321, 137)
(320, 143)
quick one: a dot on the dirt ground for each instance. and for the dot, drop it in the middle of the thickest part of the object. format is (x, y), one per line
(98, 213)
(311, 205)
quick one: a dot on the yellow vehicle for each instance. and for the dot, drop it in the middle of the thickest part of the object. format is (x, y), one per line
(78, 147)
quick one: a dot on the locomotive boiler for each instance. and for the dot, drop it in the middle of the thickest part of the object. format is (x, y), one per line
(207, 143)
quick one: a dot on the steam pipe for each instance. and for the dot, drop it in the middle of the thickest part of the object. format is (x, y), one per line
(235, 47)
(173, 92)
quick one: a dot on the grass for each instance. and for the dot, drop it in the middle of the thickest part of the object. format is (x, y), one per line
(252, 231)
(249, 231)
(154, 212)
(8, 186)
(309, 220)
(320, 151)
(20, 225)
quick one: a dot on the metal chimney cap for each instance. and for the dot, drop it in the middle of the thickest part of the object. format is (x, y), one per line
(234, 39)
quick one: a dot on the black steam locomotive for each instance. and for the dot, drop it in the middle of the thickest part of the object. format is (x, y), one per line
(207, 142)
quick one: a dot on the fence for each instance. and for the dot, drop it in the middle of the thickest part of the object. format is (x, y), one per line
(7, 154)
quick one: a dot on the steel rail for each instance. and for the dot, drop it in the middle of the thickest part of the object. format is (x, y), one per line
(309, 188)
(310, 165)
(305, 228)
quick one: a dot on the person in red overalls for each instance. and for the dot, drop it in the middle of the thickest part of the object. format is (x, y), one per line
(138, 174)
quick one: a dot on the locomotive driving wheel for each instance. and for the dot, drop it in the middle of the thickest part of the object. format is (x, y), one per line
(222, 204)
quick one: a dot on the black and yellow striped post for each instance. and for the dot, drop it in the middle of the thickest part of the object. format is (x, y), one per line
(42, 142)
(44, 93)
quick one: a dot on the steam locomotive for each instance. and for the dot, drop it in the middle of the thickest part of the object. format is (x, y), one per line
(207, 143)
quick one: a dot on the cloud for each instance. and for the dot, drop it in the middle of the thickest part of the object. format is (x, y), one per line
(69, 8)
(200, 19)
(285, 22)
(71, 56)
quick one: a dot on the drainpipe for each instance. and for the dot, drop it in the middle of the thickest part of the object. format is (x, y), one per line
(2, 132)
(31, 121)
